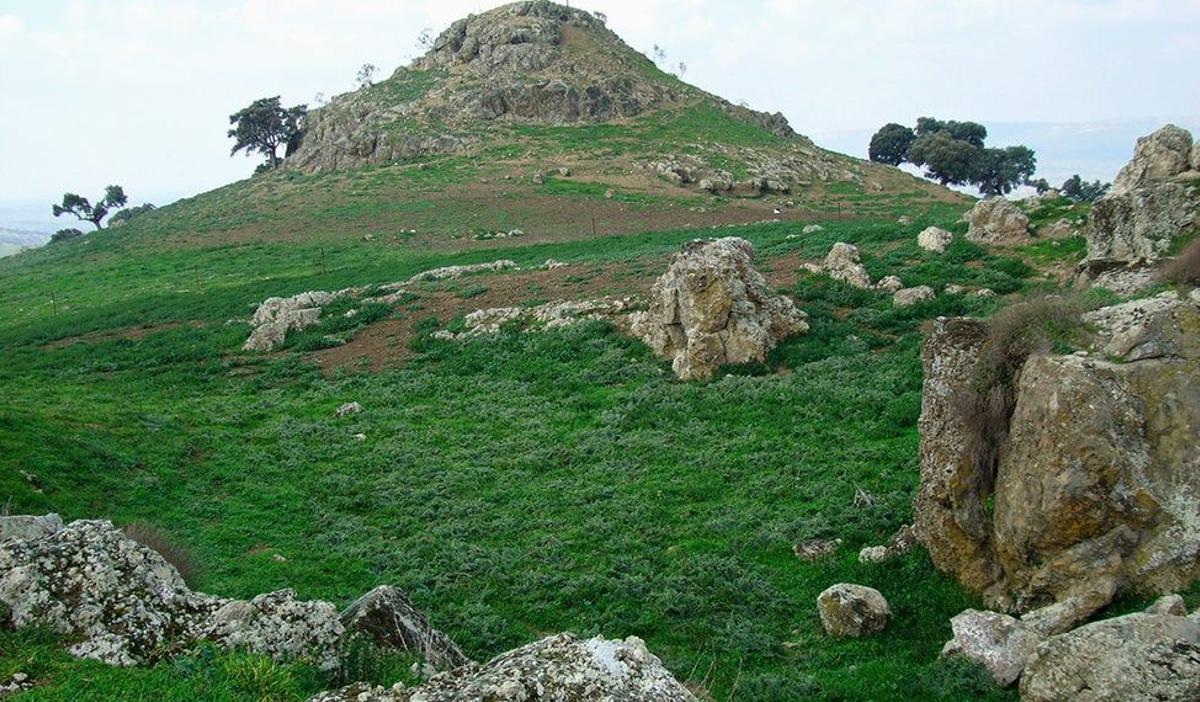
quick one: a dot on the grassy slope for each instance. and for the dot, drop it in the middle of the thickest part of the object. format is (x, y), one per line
(514, 487)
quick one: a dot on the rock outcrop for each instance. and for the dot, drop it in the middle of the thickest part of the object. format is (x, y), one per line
(1096, 484)
(997, 221)
(1134, 225)
(1135, 658)
(387, 617)
(29, 527)
(853, 610)
(711, 308)
(552, 315)
(934, 239)
(562, 668)
(843, 264)
(1162, 155)
(998, 642)
(277, 316)
(125, 605)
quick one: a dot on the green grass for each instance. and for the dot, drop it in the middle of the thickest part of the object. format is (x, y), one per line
(514, 487)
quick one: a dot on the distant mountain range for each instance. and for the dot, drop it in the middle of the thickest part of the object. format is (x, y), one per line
(13, 240)
(1095, 150)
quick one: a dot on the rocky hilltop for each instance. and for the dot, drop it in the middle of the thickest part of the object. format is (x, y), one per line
(537, 64)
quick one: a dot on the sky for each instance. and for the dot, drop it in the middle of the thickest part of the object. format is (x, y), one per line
(138, 92)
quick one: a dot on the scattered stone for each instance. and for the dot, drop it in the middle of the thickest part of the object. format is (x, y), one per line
(1060, 229)
(812, 229)
(954, 289)
(985, 292)
(890, 284)
(17, 682)
(711, 308)
(451, 272)
(995, 641)
(816, 549)
(552, 264)
(853, 610)
(911, 296)
(349, 408)
(934, 239)
(997, 221)
(903, 541)
(1134, 658)
(904, 221)
(360, 438)
(843, 264)
(388, 618)
(560, 667)
(564, 171)
(552, 315)
(539, 179)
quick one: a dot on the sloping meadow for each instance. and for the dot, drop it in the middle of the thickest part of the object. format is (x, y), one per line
(515, 486)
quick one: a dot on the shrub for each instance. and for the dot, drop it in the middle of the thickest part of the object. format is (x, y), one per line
(1184, 269)
(157, 540)
(1014, 334)
(65, 235)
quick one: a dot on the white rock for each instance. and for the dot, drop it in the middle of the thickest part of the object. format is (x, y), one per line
(853, 610)
(934, 239)
(911, 296)
(843, 264)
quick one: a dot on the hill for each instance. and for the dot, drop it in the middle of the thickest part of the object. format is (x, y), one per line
(526, 483)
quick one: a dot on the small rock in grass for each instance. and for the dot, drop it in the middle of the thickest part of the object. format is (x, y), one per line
(890, 284)
(814, 549)
(911, 296)
(349, 408)
(853, 610)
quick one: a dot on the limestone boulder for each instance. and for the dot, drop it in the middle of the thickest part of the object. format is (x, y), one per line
(998, 642)
(1196, 156)
(561, 667)
(907, 297)
(1139, 225)
(997, 221)
(712, 308)
(277, 316)
(890, 284)
(853, 610)
(1094, 491)
(122, 601)
(280, 626)
(843, 264)
(1159, 156)
(386, 616)
(1135, 658)
(934, 239)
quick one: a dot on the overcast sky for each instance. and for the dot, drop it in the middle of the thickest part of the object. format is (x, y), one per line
(138, 92)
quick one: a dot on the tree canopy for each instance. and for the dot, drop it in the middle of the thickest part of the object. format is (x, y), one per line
(83, 210)
(1079, 190)
(264, 126)
(890, 144)
(954, 153)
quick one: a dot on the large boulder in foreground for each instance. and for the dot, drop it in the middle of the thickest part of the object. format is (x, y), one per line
(1095, 486)
(124, 604)
(711, 308)
(561, 668)
(997, 221)
(1135, 658)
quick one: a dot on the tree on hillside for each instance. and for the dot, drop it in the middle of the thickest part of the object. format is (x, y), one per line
(366, 75)
(945, 159)
(1080, 190)
(954, 153)
(85, 211)
(891, 143)
(1000, 171)
(264, 126)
